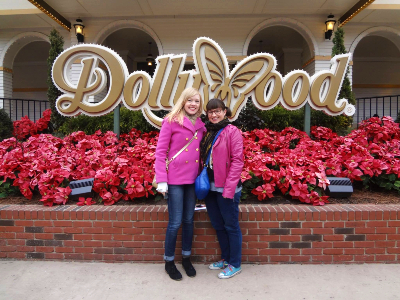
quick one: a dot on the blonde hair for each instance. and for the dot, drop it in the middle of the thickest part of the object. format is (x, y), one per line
(177, 113)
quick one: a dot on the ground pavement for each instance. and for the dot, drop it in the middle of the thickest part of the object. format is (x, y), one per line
(44, 280)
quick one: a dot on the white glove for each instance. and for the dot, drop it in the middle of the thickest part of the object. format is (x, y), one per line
(162, 187)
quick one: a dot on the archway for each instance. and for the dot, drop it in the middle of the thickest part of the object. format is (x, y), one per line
(117, 25)
(286, 44)
(30, 71)
(375, 72)
(133, 45)
(312, 48)
(24, 74)
(290, 42)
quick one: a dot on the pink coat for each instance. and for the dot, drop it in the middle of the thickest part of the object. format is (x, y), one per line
(227, 158)
(185, 167)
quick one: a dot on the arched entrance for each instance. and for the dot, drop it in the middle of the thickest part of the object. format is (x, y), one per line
(131, 40)
(287, 39)
(286, 44)
(375, 72)
(134, 46)
(117, 25)
(23, 74)
(30, 71)
(293, 46)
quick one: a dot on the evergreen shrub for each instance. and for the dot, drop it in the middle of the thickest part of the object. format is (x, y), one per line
(249, 118)
(6, 125)
(128, 119)
(56, 47)
(339, 124)
(280, 118)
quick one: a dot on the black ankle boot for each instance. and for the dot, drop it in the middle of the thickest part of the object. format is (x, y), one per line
(187, 265)
(172, 271)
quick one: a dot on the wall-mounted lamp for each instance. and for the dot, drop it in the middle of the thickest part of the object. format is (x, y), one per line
(79, 30)
(329, 23)
(150, 59)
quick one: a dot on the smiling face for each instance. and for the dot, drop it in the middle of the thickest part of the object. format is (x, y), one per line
(216, 115)
(192, 105)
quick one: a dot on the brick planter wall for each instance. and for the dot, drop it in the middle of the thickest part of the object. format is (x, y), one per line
(271, 233)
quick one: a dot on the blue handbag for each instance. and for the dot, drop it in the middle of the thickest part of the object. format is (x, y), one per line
(202, 183)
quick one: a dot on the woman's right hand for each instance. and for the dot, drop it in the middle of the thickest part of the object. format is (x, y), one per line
(162, 188)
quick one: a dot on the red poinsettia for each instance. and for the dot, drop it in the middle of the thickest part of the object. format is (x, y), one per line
(288, 161)
(61, 196)
(25, 127)
(264, 191)
(85, 201)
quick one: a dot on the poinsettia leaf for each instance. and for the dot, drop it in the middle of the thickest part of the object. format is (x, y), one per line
(318, 190)
(382, 184)
(3, 195)
(392, 177)
(388, 185)
(158, 197)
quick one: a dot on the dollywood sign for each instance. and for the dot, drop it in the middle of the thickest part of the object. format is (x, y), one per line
(254, 76)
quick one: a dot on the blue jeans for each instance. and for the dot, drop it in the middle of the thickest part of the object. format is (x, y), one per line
(181, 203)
(224, 216)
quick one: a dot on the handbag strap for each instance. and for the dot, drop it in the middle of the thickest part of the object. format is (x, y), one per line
(209, 152)
(180, 151)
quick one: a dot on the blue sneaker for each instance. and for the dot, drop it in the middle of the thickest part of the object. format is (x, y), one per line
(229, 272)
(218, 265)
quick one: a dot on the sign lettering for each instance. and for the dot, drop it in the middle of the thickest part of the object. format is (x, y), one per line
(254, 76)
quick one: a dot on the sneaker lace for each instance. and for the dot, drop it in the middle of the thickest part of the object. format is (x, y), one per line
(228, 267)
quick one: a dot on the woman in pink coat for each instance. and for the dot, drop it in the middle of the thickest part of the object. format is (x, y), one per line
(224, 170)
(177, 129)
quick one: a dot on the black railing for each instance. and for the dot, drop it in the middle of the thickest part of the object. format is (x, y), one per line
(368, 107)
(18, 108)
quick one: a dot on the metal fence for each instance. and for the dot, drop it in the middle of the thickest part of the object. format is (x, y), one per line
(365, 107)
(18, 108)
(379, 105)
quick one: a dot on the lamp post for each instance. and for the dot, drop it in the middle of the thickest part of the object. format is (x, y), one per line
(79, 31)
(329, 25)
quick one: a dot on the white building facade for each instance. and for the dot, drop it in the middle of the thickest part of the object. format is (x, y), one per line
(293, 31)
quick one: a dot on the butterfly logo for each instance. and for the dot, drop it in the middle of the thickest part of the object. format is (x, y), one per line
(233, 86)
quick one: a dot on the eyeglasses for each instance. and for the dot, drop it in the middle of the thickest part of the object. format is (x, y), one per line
(217, 112)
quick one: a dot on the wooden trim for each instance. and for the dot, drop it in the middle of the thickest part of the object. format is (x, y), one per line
(27, 90)
(4, 69)
(375, 86)
(317, 57)
(52, 13)
(320, 57)
(352, 12)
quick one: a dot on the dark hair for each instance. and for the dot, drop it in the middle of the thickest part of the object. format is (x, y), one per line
(217, 103)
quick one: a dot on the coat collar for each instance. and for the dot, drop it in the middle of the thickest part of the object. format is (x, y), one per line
(187, 124)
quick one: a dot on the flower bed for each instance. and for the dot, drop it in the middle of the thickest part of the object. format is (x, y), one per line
(289, 162)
